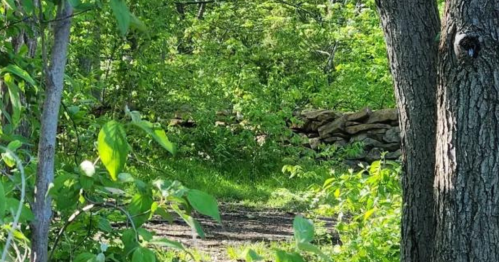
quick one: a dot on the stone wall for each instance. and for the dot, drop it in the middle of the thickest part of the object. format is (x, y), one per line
(377, 130)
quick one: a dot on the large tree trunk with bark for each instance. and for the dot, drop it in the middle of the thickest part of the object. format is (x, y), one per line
(46, 147)
(411, 29)
(467, 161)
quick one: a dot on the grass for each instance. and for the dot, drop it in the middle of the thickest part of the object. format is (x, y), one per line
(242, 185)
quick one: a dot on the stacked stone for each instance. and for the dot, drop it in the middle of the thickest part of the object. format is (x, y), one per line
(377, 130)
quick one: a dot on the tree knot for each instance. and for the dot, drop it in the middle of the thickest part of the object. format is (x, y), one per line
(466, 44)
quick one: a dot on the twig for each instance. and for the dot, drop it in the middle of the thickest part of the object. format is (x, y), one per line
(71, 219)
(28, 18)
(129, 217)
(76, 131)
(21, 201)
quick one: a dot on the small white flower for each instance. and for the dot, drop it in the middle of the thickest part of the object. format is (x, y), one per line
(88, 168)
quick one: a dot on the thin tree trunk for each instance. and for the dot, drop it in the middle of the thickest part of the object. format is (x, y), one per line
(467, 158)
(410, 29)
(46, 148)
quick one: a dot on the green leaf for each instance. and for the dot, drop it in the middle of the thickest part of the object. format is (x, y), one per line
(282, 256)
(19, 72)
(13, 204)
(303, 230)
(15, 100)
(9, 159)
(122, 14)
(143, 255)
(250, 255)
(104, 225)
(28, 6)
(145, 234)
(125, 177)
(85, 257)
(14, 145)
(136, 23)
(2, 201)
(164, 242)
(313, 249)
(155, 132)
(139, 207)
(204, 204)
(129, 240)
(113, 147)
(369, 213)
(165, 214)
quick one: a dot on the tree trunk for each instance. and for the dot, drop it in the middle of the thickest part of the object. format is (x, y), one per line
(411, 29)
(46, 148)
(467, 157)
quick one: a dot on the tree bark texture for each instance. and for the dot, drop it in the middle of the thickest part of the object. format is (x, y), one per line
(411, 29)
(46, 148)
(467, 157)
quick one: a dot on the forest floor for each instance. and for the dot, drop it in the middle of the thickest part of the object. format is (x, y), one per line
(241, 226)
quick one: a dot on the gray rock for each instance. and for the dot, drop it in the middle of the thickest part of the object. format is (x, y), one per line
(383, 115)
(332, 127)
(390, 147)
(341, 143)
(320, 115)
(359, 116)
(332, 139)
(394, 155)
(392, 135)
(364, 127)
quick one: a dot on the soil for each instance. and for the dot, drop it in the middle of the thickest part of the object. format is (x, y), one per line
(240, 226)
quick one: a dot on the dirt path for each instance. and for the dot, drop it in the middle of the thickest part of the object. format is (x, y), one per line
(241, 225)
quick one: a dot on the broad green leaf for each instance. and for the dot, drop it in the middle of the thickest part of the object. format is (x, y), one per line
(204, 204)
(313, 249)
(15, 100)
(165, 214)
(8, 159)
(104, 225)
(13, 204)
(122, 14)
(28, 6)
(190, 221)
(156, 133)
(139, 207)
(125, 177)
(113, 147)
(303, 230)
(85, 257)
(20, 235)
(19, 72)
(14, 145)
(129, 240)
(145, 234)
(2, 200)
(142, 254)
(198, 228)
(282, 256)
(164, 242)
(136, 23)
